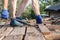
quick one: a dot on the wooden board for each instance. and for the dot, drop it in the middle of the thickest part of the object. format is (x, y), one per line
(16, 34)
(13, 37)
(33, 34)
(44, 29)
(2, 30)
(6, 32)
(18, 31)
(47, 22)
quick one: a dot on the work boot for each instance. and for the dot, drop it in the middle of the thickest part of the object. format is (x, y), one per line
(39, 19)
(4, 14)
(14, 22)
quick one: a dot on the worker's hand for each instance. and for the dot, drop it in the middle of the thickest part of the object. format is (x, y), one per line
(4, 14)
(39, 19)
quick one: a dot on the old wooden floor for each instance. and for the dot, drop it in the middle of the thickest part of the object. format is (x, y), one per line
(29, 32)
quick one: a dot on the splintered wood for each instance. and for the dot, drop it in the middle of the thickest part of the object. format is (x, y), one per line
(44, 29)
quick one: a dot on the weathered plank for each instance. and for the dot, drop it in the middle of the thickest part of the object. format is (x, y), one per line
(16, 34)
(13, 37)
(44, 29)
(18, 31)
(2, 30)
(33, 34)
(6, 32)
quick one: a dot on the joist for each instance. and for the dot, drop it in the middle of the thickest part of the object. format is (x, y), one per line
(44, 29)
(33, 34)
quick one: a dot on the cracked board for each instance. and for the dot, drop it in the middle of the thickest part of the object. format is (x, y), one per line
(16, 34)
(33, 34)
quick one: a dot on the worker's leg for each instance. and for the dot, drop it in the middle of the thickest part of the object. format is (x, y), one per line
(5, 13)
(13, 8)
(13, 22)
(37, 12)
(21, 8)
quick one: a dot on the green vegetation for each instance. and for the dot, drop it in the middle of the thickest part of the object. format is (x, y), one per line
(29, 13)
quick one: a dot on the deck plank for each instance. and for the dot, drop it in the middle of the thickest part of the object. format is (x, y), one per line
(18, 31)
(16, 34)
(6, 32)
(13, 37)
(33, 34)
(2, 30)
(44, 29)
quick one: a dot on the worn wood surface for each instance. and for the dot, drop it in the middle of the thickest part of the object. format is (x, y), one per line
(16, 34)
(30, 33)
(5, 32)
(18, 30)
(44, 29)
(33, 34)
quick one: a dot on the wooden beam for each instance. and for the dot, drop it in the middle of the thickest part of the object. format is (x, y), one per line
(44, 29)
(33, 34)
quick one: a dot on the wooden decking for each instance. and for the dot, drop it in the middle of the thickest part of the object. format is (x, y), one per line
(41, 32)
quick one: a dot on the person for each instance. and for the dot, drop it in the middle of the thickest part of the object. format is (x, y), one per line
(14, 22)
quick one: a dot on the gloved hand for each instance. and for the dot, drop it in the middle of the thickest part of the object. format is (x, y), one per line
(4, 14)
(39, 19)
